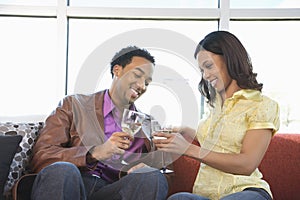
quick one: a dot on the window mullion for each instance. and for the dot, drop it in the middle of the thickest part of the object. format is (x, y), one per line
(62, 42)
(224, 6)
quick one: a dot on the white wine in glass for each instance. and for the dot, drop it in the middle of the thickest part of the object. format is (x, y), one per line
(156, 127)
(131, 123)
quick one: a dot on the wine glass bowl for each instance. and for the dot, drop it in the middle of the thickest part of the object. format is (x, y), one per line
(131, 123)
(156, 127)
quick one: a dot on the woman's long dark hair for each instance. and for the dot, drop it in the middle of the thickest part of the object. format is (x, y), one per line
(236, 58)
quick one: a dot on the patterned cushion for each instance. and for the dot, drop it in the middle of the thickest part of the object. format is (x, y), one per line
(19, 165)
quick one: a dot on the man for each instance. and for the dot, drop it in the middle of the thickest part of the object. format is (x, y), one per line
(77, 155)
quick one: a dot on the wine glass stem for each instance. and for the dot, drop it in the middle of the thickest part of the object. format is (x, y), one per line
(122, 156)
(123, 161)
(163, 162)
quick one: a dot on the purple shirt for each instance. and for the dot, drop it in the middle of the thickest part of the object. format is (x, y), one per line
(109, 169)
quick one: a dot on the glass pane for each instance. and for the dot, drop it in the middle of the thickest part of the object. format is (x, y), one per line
(147, 3)
(275, 57)
(30, 2)
(173, 91)
(30, 83)
(265, 4)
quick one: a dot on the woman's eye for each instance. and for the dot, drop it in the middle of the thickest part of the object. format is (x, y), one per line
(208, 66)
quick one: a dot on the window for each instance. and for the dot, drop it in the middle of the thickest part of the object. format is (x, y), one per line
(94, 42)
(30, 79)
(273, 55)
(52, 47)
(29, 2)
(265, 4)
(147, 3)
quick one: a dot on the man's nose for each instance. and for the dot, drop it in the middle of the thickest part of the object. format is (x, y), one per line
(141, 84)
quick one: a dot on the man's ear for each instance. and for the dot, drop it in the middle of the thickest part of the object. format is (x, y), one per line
(117, 70)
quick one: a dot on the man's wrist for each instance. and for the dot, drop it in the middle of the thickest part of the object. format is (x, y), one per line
(89, 157)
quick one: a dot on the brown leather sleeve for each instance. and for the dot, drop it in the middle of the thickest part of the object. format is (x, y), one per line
(58, 140)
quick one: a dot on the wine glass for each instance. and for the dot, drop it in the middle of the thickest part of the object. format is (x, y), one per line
(156, 127)
(131, 123)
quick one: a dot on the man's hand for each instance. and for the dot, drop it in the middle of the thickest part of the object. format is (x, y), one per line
(116, 144)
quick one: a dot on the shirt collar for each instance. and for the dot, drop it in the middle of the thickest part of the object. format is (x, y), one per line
(248, 94)
(109, 106)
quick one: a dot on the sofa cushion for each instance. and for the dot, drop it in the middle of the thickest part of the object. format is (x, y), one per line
(280, 166)
(19, 165)
(184, 175)
(8, 148)
(185, 172)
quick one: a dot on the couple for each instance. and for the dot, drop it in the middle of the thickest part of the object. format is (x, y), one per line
(76, 154)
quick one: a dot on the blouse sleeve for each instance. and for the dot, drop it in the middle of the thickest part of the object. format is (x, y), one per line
(265, 116)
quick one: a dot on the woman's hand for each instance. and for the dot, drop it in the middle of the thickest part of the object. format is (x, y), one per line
(173, 142)
(188, 133)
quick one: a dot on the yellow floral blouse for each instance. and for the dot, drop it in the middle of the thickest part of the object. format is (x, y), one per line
(223, 131)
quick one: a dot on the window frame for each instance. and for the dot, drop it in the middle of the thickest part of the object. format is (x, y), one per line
(63, 12)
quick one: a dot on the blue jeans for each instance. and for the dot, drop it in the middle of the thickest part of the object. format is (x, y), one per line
(247, 194)
(63, 180)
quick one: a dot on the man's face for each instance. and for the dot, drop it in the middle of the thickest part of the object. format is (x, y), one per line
(132, 80)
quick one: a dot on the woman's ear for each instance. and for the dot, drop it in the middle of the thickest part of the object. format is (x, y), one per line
(117, 69)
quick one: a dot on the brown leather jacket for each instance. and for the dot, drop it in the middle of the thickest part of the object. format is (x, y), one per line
(67, 136)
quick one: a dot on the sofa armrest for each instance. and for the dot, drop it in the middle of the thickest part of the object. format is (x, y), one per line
(22, 189)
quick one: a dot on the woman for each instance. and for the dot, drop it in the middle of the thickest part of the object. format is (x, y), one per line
(236, 134)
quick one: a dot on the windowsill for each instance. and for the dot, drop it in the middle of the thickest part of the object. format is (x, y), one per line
(23, 118)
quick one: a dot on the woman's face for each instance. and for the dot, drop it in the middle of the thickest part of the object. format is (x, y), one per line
(214, 70)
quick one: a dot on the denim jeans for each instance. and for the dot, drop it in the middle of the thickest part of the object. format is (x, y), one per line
(247, 194)
(63, 180)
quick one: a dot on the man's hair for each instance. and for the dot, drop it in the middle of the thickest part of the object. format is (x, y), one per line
(124, 57)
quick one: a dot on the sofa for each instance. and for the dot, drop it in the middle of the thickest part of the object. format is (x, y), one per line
(280, 166)
(16, 142)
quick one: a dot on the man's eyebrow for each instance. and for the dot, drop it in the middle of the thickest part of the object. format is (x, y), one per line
(142, 71)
